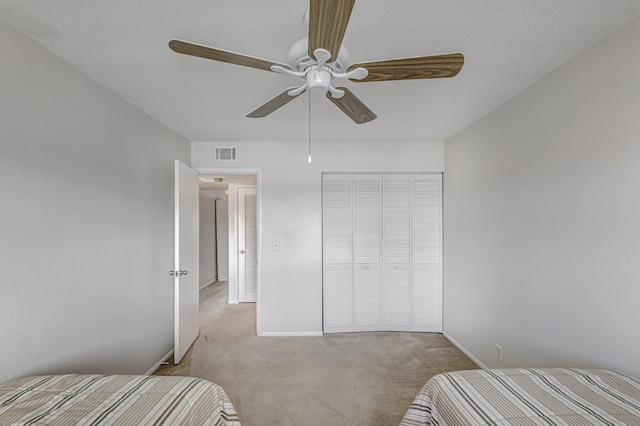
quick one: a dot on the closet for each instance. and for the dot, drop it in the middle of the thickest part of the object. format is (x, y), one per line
(382, 252)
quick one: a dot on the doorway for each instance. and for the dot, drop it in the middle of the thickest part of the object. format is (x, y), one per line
(235, 183)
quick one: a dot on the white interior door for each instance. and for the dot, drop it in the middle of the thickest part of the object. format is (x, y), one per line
(337, 253)
(396, 249)
(427, 253)
(247, 237)
(185, 271)
(382, 252)
(367, 213)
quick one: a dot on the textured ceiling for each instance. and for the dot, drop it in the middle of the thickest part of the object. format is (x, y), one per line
(508, 45)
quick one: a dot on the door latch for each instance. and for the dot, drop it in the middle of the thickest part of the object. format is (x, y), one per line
(178, 273)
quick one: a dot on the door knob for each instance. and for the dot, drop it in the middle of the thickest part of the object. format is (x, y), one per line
(241, 251)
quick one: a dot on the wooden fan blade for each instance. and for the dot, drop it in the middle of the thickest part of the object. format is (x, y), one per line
(273, 104)
(352, 106)
(412, 68)
(328, 20)
(222, 55)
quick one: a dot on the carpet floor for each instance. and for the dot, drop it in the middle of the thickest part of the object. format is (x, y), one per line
(337, 379)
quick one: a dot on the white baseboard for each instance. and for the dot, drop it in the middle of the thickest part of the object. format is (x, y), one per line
(209, 283)
(159, 363)
(464, 350)
(292, 334)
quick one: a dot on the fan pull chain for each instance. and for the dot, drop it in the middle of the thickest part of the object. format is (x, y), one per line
(309, 158)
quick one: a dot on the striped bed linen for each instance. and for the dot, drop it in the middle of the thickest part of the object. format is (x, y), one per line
(526, 397)
(114, 400)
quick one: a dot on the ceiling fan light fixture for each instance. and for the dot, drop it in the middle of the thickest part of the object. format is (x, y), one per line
(318, 80)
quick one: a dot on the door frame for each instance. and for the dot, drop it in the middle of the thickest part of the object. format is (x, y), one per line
(233, 255)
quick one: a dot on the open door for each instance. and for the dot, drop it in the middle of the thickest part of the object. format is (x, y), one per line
(187, 224)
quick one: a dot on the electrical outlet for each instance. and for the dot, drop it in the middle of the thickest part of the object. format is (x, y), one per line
(499, 353)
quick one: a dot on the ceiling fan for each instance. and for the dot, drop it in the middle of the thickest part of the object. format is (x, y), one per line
(321, 59)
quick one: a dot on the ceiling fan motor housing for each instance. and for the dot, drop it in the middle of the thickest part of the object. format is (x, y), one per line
(300, 60)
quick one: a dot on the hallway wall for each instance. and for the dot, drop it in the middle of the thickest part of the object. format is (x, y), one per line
(208, 231)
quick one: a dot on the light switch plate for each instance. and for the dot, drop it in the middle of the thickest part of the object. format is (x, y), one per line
(275, 245)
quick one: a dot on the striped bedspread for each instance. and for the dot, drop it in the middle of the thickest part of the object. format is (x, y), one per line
(114, 400)
(527, 397)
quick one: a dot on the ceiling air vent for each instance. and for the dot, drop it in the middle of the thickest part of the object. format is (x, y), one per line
(226, 154)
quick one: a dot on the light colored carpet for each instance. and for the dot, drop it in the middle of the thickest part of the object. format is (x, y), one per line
(338, 379)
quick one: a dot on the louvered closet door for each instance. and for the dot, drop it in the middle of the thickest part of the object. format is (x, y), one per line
(367, 199)
(337, 253)
(382, 256)
(396, 243)
(427, 255)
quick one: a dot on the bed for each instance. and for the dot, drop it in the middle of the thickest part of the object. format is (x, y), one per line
(527, 397)
(114, 400)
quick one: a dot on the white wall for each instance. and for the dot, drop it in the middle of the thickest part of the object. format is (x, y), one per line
(291, 287)
(542, 222)
(208, 255)
(86, 222)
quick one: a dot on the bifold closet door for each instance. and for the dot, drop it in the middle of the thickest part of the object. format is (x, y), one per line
(337, 235)
(367, 201)
(396, 255)
(382, 256)
(427, 253)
